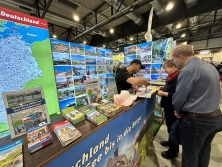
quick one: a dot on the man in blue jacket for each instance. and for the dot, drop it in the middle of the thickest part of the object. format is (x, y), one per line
(197, 99)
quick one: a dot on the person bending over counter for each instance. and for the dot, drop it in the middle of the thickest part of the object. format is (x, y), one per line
(125, 79)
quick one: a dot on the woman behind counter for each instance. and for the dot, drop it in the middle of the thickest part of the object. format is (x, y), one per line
(166, 93)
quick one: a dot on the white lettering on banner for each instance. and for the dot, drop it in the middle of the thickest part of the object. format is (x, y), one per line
(109, 145)
(19, 18)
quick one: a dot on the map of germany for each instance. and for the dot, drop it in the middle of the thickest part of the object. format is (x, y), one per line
(26, 62)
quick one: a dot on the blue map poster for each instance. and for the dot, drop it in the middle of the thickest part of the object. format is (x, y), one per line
(26, 59)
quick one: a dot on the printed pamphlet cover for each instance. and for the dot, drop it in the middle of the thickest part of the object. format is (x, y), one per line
(66, 132)
(93, 90)
(97, 117)
(11, 155)
(73, 115)
(37, 136)
(144, 92)
(25, 109)
(66, 112)
(111, 87)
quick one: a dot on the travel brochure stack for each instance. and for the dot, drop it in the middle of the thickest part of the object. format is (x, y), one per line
(66, 132)
(109, 109)
(38, 137)
(73, 115)
(93, 115)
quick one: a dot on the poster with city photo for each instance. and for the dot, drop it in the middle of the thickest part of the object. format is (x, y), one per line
(90, 60)
(101, 61)
(91, 70)
(147, 77)
(65, 82)
(101, 69)
(93, 90)
(101, 77)
(78, 60)
(63, 71)
(100, 52)
(79, 80)
(109, 53)
(59, 46)
(66, 93)
(130, 50)
(25, 109)
(146, 70)
(128, 59)
(90, 50)
(157, 69)
(144, 48)
(110, 75)
(155, 78)
(90, 77)
(109, 69)
(109, 61)
(145, 58)
(67, 103)
(79, 70)
(61, 59)
(80, 90)
(76, 48)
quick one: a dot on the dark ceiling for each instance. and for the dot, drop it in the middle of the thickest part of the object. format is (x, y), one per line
(199, 19)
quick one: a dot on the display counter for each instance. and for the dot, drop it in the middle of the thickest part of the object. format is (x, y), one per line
(125, 136)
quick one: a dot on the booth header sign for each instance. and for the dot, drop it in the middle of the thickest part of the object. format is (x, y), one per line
(22, 18)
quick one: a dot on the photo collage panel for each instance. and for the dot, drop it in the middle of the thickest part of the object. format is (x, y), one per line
(152, 55)
(74, 63)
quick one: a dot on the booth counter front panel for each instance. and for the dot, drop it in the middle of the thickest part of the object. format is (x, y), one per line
(124, 138)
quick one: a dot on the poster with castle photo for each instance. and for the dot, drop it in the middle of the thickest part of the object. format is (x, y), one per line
(25, 109)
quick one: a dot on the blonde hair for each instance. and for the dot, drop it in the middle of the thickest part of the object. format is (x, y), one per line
(184, 50)
(169, 63)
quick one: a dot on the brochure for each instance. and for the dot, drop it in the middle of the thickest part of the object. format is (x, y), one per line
(37, 136)
(66, 132)
(25, 109)
(93, 90)
(11, 154)
(111, 87)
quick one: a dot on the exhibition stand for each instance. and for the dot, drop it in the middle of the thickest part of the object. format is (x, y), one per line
(130, 128)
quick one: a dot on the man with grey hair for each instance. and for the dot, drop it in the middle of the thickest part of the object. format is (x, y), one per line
(196, 99)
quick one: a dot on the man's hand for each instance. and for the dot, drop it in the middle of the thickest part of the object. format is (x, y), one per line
(146, 83)
(177, 115)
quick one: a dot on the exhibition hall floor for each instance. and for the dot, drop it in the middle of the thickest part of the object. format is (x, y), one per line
(154, 158)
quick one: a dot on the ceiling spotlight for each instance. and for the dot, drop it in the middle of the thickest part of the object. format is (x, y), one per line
(178, 26)
(131, 38)
(84, 42)
(104, 46)
(183, 35)
(169, 6)
(117, 48)
(111, 30)
(54, 36)
(76, 18)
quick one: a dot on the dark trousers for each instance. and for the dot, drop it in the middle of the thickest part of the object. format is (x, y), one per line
(196, 136)
(170, 119)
